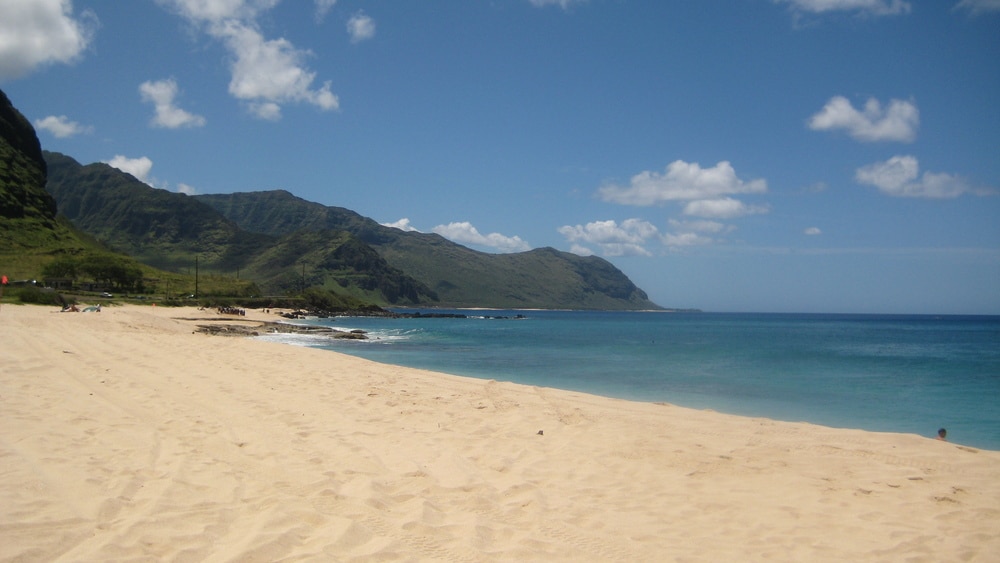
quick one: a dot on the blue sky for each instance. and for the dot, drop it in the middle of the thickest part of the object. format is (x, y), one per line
(742, 155)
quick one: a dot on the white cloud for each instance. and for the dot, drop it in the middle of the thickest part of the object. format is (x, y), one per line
(217, 11)
(685, 239)
(900, 177)
(873, 7)
(681, 181)
(323, 7)
(360, 27)
(37, 32)
(692, 233)
(722, 208)
(265, 110)
(632, 236)
(138, 167)
(265, 73)
(812, 231)
(186, 189)
(464, 233)
(403, 225)
(161, 94)
(897, 122)
(564, 4)
(61, 127)
(627, 239)
(700, 226)
(977, 7)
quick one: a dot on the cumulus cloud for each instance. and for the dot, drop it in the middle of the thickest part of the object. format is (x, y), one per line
(138, 167)
(633, 236)
(465, 233)
(215, 11)
(900, 177)
(701, 226)
(704, 192)
(269, 111)
(266, 73)
(61, 127)
(564, 4)
(694, 233)
(722, 208)
(360, 27)
(679, 182)
(141, 168)
(976, 7)
(675, 240)
(871, 7)
(627, 239)
(897, 122)
(403, 225)
(38, 32)
(161, 94)
(323, 8)
(812, 231)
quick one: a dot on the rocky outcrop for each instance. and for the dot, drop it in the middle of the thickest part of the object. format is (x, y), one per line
(230, 329)
(22, 168)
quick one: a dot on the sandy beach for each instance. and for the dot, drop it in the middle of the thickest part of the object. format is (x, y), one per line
(128, 436)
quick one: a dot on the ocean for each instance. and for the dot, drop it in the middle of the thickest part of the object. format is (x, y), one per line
(893, 373)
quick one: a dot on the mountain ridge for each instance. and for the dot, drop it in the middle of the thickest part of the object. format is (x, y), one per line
(539, 278)
(58, 214)
(173, 231)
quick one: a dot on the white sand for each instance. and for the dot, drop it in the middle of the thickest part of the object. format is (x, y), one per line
(126, 437)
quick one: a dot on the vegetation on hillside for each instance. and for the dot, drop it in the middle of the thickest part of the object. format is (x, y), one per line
(37, 244)
(458, 276)
(176, 232)
(113, 232)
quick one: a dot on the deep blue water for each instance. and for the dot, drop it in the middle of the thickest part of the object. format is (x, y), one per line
(876, 372)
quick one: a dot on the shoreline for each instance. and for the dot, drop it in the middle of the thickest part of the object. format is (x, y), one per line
(127, 434)
(848, 409)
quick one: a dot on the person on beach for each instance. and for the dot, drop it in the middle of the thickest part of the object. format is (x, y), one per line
(942, 435)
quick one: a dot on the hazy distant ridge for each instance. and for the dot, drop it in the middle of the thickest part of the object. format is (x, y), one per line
(461, 277)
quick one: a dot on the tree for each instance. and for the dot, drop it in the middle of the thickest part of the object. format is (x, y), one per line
(110, 270)
(62, 267)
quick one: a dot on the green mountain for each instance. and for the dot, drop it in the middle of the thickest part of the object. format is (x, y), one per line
(461, 277)
(27, 211)
(31, 234)
(160, 228)
(117, 231)
(36, 243)
(176, 232)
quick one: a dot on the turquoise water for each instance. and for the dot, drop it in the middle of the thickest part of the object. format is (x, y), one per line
(883, 373)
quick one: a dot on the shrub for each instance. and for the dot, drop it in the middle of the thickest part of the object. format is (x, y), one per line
(38, 296)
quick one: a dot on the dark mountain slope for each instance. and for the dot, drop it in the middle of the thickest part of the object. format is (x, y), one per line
(171, 231)
(27, 211)
(31, 235)
(461, 277)
(160, 228)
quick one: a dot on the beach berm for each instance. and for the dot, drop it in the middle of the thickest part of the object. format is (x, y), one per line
(127, 435)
